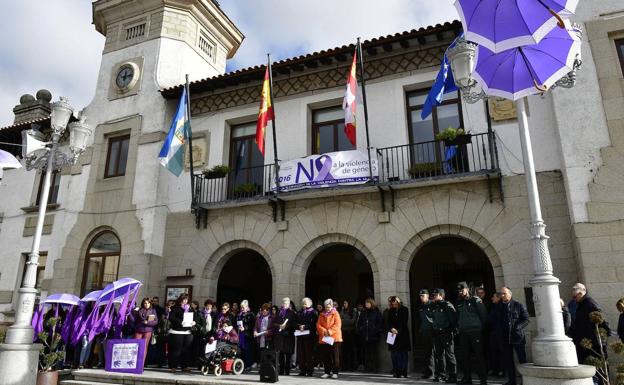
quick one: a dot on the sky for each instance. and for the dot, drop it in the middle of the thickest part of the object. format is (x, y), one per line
(53, 44)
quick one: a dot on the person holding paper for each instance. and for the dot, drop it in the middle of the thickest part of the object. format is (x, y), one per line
(283, 335)
(398, 333)
(227, 333)
(329, 330)
(210, 317)
(245, 322)
(263, 331)
(306, 322)
(145, 321)
(225, 315)
(180, 337)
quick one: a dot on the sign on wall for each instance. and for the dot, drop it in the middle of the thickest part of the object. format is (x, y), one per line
(125, 356)
(327, 170)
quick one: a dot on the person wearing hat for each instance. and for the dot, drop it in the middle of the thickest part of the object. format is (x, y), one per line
(425, 316)
(444, 325)
(471, 319)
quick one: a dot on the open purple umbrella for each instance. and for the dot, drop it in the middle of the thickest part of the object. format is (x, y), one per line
(91, 297)
(119, 289)
(8, 161)
(501, 25)
(529, 70)
(63, 299)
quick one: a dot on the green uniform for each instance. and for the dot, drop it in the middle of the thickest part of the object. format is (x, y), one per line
(471, 319)
(444, 325)
(425, 315)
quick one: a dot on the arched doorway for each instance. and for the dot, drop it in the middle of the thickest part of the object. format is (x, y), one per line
(339, 272)
(246, 275)
(101, 262)
(442, 263)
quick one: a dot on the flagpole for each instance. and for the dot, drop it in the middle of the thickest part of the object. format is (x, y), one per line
(277, 184)
(368, 148)
(190, 138)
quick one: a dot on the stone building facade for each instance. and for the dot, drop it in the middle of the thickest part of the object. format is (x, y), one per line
(390, 238)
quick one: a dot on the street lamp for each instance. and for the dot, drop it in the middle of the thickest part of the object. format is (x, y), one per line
(18, 355)
(551, 347)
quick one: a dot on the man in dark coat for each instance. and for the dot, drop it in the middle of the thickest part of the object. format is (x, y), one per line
(582, 327)
(444, 326)
(425, 317)
(284, 325)
(513, 319)
(471, 319)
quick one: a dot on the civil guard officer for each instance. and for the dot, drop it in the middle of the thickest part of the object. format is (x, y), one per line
(425, 316)
(444, 326)
(472, 317)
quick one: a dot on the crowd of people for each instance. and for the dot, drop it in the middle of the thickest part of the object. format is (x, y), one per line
(488, 333)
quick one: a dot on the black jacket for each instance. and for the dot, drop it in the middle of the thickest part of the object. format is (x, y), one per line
(620, 328)
(369, 325)
(176, 316)
(284, 341)
(512, 320)
(582, 327)
(308, 320)
(398, 319)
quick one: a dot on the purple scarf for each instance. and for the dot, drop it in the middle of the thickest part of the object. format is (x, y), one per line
(308, 310)
(284, 311)
(186, 307)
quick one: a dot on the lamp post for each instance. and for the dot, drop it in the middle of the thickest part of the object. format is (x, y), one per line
(18, 354)
(551, 347)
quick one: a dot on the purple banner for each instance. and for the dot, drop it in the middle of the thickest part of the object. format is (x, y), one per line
(125, 356)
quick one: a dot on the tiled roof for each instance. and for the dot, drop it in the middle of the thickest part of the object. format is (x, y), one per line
(24, 125)
(257, 72)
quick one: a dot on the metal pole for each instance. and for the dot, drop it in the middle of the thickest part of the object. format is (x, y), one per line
(361, 60)
(21, 332)
(551, 347)
(277, 182)
(190, 138)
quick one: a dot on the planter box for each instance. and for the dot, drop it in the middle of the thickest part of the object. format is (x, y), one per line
(459, 140)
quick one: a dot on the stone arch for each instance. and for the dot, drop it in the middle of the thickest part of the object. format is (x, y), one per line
(217, 260)
(410, 250)
(305, 256)
(86, 241)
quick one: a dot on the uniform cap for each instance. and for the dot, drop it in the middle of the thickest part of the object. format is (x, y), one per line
(438, 291)
(462, 285)
(423, 291)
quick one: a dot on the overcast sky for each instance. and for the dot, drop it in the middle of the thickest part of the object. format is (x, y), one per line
(52, 44)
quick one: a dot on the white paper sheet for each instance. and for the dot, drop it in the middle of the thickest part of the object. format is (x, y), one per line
(187, 321)
(391, 338)
(211, 347)
(239, 323)
(302, 333)
(328, 340)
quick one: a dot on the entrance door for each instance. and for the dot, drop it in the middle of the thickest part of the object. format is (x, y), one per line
(246, 275)
(340, 272)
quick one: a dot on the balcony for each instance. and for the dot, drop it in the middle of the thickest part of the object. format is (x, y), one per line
(470, 157)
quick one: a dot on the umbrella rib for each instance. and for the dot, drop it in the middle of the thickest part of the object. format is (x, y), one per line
(539, 87)
(560, 22)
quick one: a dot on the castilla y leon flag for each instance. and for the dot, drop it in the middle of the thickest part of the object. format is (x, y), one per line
(349, 104)
(266, 111)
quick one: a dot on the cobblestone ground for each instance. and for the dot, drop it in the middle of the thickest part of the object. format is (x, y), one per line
(156, 376)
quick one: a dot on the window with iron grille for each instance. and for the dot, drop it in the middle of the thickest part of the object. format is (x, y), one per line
(207, 45)
(135, 31)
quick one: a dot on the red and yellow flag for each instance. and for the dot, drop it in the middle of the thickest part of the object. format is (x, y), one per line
(266, 111)
(349, 104)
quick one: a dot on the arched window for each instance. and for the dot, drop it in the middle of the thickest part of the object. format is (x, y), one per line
(101, 262)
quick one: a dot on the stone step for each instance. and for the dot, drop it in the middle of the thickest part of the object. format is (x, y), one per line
(86, 382)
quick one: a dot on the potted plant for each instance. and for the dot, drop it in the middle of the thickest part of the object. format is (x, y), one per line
(423, 170)
(50, 355)
(218, 171)
(454, 136)
(245, 190)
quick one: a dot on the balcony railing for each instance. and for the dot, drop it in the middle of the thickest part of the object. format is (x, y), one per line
(411, 163)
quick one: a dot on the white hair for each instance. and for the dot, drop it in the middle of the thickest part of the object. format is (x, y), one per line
(244, 303)
(579, 287)
(286, 299)
(307, 301)
(328, 302)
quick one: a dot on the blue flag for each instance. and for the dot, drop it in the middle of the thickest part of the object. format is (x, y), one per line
(445, 83)
(172, 153)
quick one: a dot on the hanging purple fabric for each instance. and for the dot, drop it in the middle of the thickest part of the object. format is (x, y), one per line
(126, 306)
(66, 328)
(37, 322)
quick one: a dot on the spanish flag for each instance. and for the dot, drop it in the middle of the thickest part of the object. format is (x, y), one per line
(266, 111)
(349, 104)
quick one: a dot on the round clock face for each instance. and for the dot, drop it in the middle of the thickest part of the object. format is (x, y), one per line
(125, 76)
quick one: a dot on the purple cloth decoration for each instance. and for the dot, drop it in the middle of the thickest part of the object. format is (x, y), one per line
(283, 311)
(66, 328)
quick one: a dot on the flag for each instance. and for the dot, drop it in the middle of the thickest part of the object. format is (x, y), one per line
(266, 111)
(445, 83)
(172, 152)
(349, 104)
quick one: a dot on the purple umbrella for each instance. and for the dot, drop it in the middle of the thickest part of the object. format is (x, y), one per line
(529, 70)
(119, 289)
(91, 297)
(501, 25)
(8, 161)
(64, 299)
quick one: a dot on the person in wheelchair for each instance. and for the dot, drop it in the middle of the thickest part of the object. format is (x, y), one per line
(226, 349)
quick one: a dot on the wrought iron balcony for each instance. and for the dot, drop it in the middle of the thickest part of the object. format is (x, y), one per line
(409, 164)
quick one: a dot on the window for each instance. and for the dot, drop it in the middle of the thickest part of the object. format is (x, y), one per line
(619, 45)
(246, 160)
(101, 262)
(422, 132)
(206, 45)
(328, 131)
(54, 188)
(117, 156)
(135, 31)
